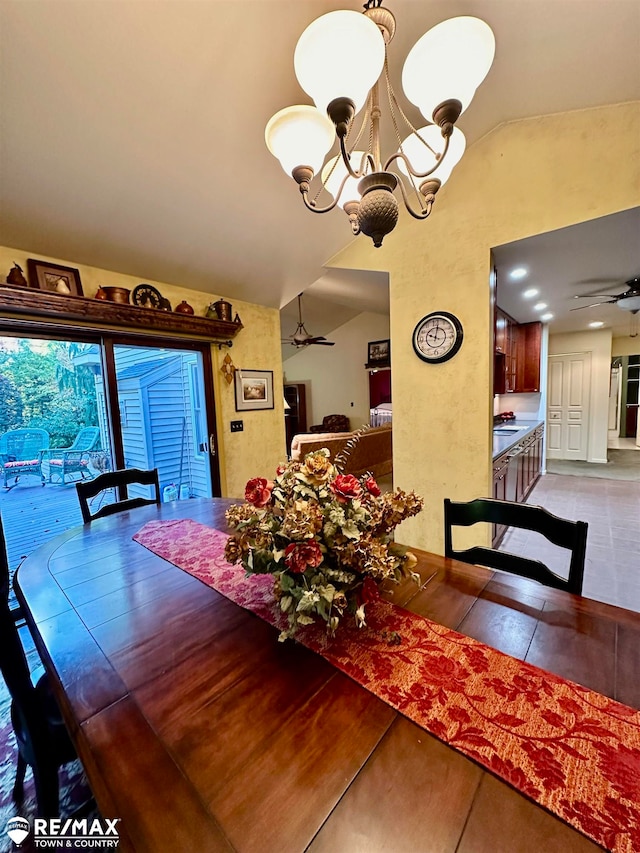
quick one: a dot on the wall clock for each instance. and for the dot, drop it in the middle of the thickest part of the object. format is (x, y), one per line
(437, 337)
(146, 296)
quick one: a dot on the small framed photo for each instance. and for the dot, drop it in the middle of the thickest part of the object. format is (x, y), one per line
(379, 352)
(54, 278)
(254, 390)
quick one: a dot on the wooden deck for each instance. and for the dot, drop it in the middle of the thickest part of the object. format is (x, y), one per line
(32, 514)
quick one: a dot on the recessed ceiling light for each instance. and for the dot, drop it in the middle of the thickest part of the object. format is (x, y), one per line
(546, 317)
(539, 306)
(596, 324)
(518, 273)
(529, 294)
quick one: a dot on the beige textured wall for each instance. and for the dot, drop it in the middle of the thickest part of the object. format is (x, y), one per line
(524, 178)
(261, 446)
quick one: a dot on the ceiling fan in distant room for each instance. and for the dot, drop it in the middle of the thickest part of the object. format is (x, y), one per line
(302, 338)
(627, 301)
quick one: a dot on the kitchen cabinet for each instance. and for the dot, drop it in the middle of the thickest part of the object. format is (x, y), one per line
(515, 473)
(516, 355)
(500, 467)
(528, 340)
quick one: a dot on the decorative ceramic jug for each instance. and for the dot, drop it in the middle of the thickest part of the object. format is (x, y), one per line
(184, 308)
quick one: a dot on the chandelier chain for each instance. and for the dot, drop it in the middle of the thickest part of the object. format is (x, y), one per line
(393, 101)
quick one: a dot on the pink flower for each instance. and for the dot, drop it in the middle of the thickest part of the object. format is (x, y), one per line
(346, 487)
(299, 555)
(258, 492)
(372, 487)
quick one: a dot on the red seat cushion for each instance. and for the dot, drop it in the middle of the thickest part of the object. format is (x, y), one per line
(31, 463)
(71, 462)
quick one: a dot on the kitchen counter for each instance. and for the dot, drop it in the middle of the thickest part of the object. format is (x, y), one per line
(504, 442)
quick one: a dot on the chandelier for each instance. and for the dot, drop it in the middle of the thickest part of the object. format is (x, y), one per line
(340, 62)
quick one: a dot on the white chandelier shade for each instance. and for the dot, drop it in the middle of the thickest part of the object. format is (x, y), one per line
(340, 62)
(339, 55)
(423, 160)
(450, 61)
(299, 135)
(334, 174)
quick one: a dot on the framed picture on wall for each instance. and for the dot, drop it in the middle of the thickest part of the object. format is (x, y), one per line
(54, 278)
(379, 352)
(254, 390)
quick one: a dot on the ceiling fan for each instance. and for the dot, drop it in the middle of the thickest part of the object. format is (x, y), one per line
(627, 301)
(302, 338)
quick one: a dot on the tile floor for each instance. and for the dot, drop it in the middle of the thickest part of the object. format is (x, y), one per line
(612, 510)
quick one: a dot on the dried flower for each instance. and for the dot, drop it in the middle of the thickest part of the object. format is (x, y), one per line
(326, 537)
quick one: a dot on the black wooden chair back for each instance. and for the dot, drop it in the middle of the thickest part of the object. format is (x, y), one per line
(120, 481)
(571, 535)
(43, 741)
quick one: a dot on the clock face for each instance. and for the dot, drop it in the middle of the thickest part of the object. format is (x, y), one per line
(146, 296)
(437, 337)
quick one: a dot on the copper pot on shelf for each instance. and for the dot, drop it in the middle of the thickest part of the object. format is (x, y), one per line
(220, 309)
(117, 294)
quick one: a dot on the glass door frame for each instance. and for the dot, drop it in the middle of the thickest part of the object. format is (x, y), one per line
(106, 340)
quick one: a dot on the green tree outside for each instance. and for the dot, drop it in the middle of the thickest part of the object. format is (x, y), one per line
(41, 387)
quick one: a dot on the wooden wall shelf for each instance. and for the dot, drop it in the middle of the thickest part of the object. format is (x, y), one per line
(99, 314)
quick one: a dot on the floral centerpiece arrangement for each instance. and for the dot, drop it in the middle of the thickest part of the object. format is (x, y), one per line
(326, 537)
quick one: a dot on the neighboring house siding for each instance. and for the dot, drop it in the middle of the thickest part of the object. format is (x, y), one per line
(166, 407)
(156, 394)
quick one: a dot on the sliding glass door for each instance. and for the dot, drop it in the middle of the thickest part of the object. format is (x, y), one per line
(72, 409)
(163, 416)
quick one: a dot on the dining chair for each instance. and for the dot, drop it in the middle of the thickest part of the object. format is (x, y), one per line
(42, 738)
(119, 481)
(571, 535)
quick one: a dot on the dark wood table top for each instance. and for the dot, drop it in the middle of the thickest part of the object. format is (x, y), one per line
(203, 733)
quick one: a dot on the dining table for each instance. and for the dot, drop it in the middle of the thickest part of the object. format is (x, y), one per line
(199, 731)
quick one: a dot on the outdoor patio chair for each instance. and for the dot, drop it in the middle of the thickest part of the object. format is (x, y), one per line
(70, 461)
(120, 481)
(21, 453)
(571, 535)
(43, 741)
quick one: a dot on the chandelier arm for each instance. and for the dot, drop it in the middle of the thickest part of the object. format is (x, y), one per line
(345, 160)
(311, 204)
(426, 210)
(399, 155)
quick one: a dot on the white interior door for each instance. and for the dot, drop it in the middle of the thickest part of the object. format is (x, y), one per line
(568, 406)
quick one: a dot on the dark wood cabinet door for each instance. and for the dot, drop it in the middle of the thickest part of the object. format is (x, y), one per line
(500, 468)
(527, 346)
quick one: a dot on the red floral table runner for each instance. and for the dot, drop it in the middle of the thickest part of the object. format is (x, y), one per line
(573, 751)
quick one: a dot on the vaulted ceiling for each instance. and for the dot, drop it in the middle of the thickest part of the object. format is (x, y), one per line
(133, 132)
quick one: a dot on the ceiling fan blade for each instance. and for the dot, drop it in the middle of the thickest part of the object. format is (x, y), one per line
(594, 305)
(598, 296)
(323, 343)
